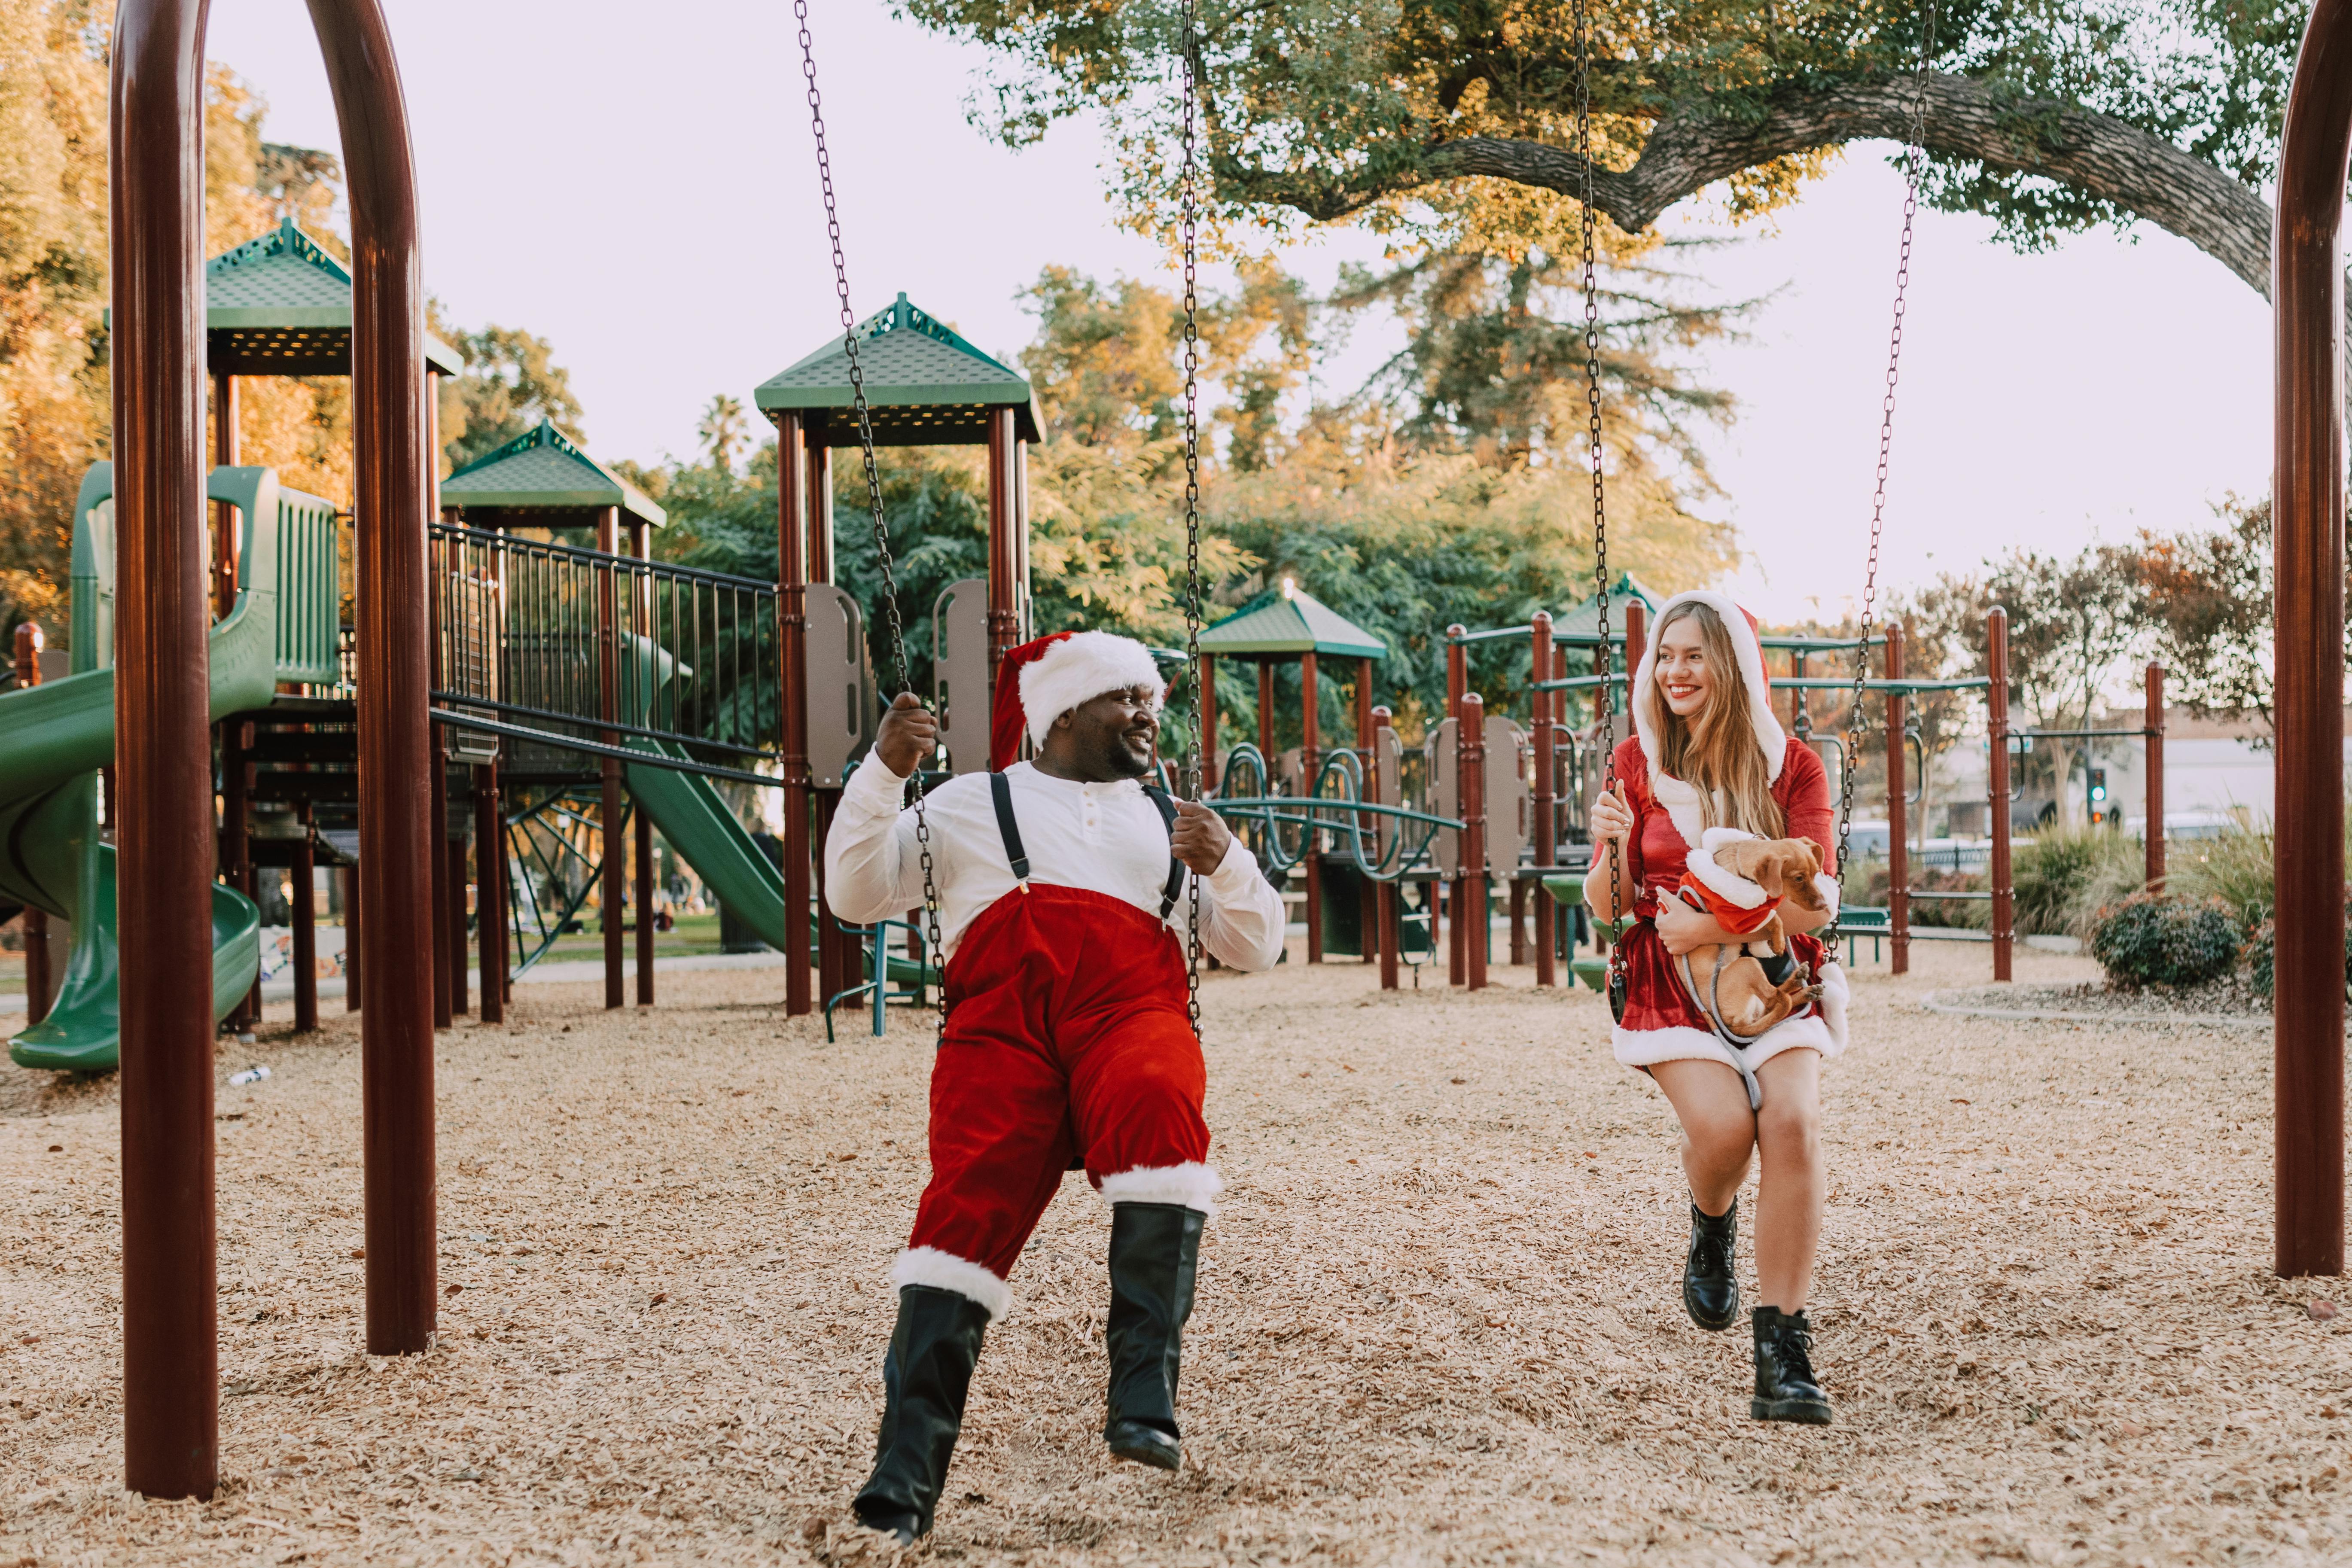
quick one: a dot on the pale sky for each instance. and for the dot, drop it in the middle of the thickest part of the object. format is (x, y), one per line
(636, 184)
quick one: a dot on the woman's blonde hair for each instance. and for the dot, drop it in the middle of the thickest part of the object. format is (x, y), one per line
(1716, 750)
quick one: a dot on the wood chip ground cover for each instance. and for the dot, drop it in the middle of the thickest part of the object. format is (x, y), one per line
(1438, 1319)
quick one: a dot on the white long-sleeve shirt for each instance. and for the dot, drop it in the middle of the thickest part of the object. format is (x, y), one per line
(1107, 839)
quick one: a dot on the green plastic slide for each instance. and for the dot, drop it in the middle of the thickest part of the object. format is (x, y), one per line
(59, 734)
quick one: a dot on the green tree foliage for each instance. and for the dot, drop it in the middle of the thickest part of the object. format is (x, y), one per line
(510, 383)
(1454, 120)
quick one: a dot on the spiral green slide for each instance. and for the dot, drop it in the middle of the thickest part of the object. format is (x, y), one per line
(54, 738)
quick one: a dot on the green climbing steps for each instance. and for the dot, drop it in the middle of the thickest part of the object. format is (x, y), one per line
(282, 629)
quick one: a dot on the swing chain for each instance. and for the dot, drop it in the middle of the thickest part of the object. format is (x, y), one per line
(1593, 448)
(1192, 782)
(1914, 160)
(932, 956)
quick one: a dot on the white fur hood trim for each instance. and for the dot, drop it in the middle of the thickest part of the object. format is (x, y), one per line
(1682, 803)
(1192, 1183)
(1827, 887)
(1768, 733)
(945, 1271)
(1724, 883)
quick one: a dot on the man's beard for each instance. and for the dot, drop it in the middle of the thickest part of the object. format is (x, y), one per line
(1122, 761)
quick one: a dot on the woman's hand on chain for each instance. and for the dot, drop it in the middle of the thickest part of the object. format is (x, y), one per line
(1612, 817)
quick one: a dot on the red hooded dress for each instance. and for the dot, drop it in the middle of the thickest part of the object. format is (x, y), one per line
(1663, 1021)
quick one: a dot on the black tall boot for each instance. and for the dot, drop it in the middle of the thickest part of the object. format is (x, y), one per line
(924, 1379)
(1710, 1285)
(1786, 1389)
(1155, 1251)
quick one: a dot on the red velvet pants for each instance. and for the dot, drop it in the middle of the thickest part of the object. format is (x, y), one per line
(1067, 1034)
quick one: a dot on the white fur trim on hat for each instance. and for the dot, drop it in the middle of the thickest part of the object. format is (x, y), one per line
(1768, 733)
(1191, 1184)
(1719, 879)
(945, 1271)
(1079, 669)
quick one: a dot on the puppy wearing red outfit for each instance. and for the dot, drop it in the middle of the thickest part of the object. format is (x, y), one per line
(1063, 900)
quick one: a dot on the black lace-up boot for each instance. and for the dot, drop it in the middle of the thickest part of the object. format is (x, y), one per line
(1155, 1250)
(1710, 1285)
(924, 1379)
(1786, 1388)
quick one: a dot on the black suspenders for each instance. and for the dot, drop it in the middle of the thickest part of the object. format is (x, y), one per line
(1000, 793)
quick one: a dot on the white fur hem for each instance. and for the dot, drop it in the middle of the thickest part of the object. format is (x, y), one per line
(1079, 669)
(1824, 1030)
(1727, 885)
(1191, 1184)
(1827, 887)
(945, 1271)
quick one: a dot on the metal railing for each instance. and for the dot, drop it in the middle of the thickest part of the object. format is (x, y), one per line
(584, 650)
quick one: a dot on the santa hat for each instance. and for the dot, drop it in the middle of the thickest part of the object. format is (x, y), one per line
(1040, 682)
(1744, 637)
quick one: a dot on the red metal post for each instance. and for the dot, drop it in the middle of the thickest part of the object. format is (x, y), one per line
(1005, 547)
(1898, 814)
(641, 621)
(1384, 894)
(614, 844)
(1996, 770)
(1310, 741)
(1637, 642)
(305, 929)
(163, 832)
(1266, 718)
(352, 997)
(2307, 493)
(36, 926)
(818, 510)
(1457, 682)
(1470, 752)
(2154, 744)
(436, 586)
(490, 891)
(1368, 916)
(455, 882)
(1541, 706)
(1208, 738)
(792, 611)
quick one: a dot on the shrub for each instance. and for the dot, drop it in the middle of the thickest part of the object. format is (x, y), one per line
(2260, 954)
(2063, 876)
(2157, 940)
(2235, 868)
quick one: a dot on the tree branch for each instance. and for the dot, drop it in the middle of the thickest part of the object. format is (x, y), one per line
(1689, 150)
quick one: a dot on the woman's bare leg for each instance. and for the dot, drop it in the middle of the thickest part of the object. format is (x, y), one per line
(1718, 1130)
(1790, 1183)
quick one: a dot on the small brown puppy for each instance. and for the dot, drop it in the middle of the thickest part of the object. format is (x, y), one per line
(1751, 1003)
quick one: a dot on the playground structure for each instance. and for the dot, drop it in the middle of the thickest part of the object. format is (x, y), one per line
(165, 685)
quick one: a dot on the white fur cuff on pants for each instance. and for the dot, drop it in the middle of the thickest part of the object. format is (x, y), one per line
(945, 1271)
(1191, 1184)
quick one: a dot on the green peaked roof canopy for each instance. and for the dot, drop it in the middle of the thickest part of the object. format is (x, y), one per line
(281, 305)
(1584, 620)
(925, 386)
(540, 480)
(1291, 622)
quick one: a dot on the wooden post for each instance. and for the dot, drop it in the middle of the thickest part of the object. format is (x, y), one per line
(1637, 642)
(641, 623)
(1542, 705)
(818, 512)
(305, 929)
(792, 611)
(614, 848)
(1898, 814)
(490, 891)
(2307, 489)
(1997, 725)
(28, 651)
(1384, 894)
(1470, 752)
(2154, 743)
(1309, 740)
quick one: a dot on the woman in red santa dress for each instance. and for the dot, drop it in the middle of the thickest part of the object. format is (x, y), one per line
(1063, 908)
(1708, 753)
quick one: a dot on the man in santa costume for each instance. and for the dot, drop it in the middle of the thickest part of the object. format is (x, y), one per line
(1063, 907)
